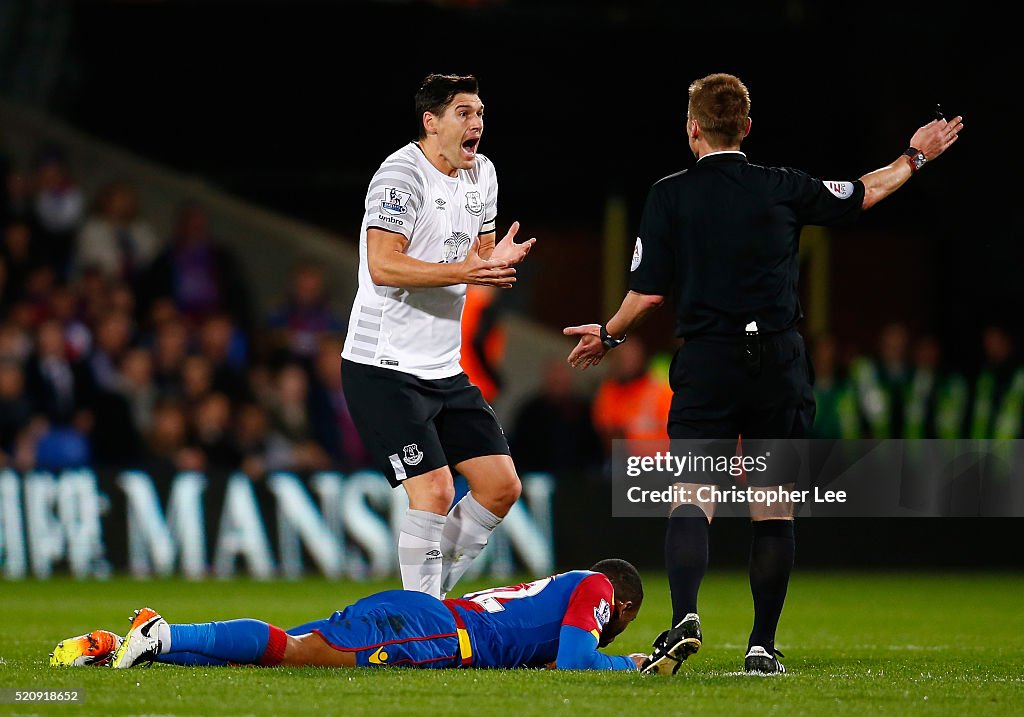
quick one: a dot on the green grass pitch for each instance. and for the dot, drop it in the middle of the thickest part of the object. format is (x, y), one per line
(856, 644)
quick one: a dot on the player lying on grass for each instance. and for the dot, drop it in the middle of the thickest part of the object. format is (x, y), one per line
(559, 621)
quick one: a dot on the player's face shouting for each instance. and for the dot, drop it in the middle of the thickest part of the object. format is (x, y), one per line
(459, 130)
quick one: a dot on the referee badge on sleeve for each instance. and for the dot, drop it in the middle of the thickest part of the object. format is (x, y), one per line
(638, 254)
(841, 190)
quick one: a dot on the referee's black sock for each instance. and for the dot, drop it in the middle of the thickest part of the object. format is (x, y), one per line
(771, 562)
(686, 557)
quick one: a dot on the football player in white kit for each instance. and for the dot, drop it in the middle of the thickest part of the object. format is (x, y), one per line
(429, 230)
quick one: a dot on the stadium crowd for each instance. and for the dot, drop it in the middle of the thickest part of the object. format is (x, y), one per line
(122, 348)
(119, 348)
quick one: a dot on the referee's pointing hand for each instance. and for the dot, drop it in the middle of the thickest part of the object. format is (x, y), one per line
(590, 350)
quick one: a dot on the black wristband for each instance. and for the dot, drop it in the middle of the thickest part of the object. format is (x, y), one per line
(608, 340)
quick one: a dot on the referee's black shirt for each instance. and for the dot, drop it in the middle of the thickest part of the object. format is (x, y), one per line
(724, 237)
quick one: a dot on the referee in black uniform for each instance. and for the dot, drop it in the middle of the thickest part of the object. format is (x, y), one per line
(723, 239)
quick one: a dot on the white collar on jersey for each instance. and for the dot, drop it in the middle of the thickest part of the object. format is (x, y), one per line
(724, 151)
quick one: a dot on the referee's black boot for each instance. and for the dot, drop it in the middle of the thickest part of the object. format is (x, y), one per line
(763, 662)
(673, 646)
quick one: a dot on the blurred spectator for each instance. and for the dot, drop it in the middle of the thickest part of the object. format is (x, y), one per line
(23, 315)
(330, 420)
(261, 383)
(882, 382)
(837, 413)
(114, 241)
(38, 291)
(292, 446)
(137, 387)
(58, 208)
(16, 200)
(170, 346)
(631, 402)
(3, 285)
(997, 403)
(121, 297)
(15, 343)
(15, 406)
(114, 334)
(59, 387)
(211, 433)
(62, 394)
(251, 438)
(553, 431)
(167, 448)
(157, 314)
(94, 293)
(115, 438)
(937, 397)
(19, 261)
(64, 308)
(199, 275)
(296, 325)
(222, 346)
(483, 339)
(196, 381)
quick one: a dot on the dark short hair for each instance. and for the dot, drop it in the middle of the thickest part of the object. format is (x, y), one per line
(624, 578)
(437, 92)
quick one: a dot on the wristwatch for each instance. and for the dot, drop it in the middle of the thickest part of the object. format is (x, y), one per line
(608, 340)
(915, 157)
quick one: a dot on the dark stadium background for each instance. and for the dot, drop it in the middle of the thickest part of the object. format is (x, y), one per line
(294, 104)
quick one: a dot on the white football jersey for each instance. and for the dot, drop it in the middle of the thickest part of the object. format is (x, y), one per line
(419, 331)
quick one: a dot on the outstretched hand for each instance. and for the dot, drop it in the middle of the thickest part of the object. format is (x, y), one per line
(486, 272)
(508, 251)
(590, 350)
(936, 137)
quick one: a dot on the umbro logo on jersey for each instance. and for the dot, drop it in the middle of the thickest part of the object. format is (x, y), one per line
(440, 204)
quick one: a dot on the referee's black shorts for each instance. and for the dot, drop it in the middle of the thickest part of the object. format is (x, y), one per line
(412, 426)
(716, 395)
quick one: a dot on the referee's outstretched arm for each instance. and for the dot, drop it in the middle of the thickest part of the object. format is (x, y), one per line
(927, 144)
(595, 343)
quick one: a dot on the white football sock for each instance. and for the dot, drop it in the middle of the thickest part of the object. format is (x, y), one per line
(163, 634)
(419, 551)
(465, 535)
